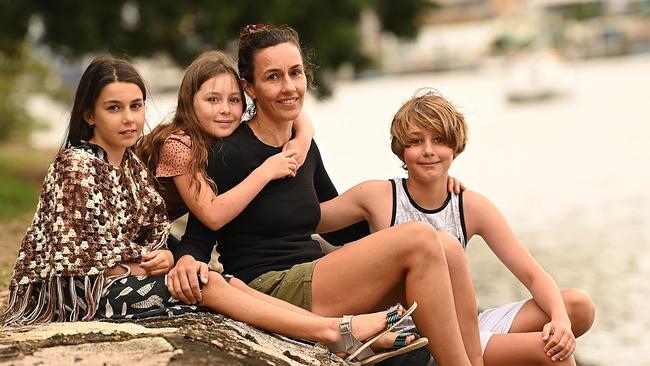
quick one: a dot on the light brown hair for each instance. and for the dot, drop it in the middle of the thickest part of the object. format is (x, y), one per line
(432, 112)
(204, 67)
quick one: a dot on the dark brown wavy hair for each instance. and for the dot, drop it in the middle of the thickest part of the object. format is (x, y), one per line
(101, 71)
(256, 37)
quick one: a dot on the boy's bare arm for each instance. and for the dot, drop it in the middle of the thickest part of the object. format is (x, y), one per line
(356, 204)
(483, 218)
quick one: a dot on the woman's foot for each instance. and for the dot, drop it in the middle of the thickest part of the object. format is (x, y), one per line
(364, 327)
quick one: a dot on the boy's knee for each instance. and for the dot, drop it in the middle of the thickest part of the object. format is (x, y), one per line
(453, 248)
(581, 309)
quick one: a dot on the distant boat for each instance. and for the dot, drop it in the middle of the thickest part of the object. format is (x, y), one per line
(534, 78)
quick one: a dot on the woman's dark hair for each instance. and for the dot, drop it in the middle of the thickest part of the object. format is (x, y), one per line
(102, 71)
(256, 37)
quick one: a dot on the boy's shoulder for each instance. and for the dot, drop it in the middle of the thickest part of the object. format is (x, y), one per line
(476, 204)
(375, 184)
(375, 189)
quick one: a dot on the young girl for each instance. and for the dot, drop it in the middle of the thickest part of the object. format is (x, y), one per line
(99, 221)
(210, 105)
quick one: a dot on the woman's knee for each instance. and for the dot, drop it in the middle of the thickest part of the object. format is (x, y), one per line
(581, 310)
(421, 242)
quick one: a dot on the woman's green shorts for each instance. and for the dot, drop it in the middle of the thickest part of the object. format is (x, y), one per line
(292, 285)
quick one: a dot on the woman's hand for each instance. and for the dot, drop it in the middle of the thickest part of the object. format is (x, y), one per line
(183, 279)
(560, 341)
(454, 185)
(280, 165)
(157, 262)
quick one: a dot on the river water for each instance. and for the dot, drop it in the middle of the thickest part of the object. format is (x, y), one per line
(571, 174)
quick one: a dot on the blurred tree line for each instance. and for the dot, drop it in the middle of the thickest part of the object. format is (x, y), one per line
(180, 29)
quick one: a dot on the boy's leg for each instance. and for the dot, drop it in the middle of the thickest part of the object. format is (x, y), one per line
(463, 290)
(580, 308)
(522, 344)
(516, 349)
(403, 263)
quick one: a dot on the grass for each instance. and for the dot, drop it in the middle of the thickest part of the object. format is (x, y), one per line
(21, 174)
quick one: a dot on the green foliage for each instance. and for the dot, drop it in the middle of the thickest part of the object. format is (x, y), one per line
(584, 11)
(21, 175)
(402, 17)
(184, 28)
(179, 28)
(21, 75)
(14, 19)
(16, 197)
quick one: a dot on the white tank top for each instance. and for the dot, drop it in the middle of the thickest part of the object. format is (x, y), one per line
(447, 218)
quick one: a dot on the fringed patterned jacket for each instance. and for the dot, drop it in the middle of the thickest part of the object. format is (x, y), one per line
(90, 216)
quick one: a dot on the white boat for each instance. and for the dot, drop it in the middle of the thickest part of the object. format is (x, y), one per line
(534, 77)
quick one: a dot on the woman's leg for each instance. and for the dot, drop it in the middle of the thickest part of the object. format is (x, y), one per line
(220, 296)
(516, 349)
(407, 263)
(241, 285)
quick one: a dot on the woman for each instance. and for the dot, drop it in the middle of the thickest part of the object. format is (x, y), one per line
(95, 248)
(269, 245)
(210, 106)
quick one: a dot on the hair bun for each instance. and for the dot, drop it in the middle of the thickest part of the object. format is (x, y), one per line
(252, 28)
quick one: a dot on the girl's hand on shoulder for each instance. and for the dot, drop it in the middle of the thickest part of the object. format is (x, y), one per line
(157, 262)
(454, 185)
(560, 341)
(280, 165)
(300, 148)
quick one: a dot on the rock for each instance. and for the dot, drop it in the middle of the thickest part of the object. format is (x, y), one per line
(196, 339)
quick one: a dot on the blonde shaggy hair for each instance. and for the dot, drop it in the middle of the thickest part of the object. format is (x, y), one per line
(430, 111)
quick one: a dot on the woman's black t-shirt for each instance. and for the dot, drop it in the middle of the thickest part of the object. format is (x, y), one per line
(274, 231)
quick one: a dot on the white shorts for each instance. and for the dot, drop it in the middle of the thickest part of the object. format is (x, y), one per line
(490, 321)
(497, 320)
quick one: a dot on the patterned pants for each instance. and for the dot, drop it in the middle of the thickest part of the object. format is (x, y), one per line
(135, 297)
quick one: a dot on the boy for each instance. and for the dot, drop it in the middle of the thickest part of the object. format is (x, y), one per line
(427, 134)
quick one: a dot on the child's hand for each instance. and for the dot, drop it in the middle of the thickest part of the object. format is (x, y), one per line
(280, 165)
(560, 341)
(301, 148)
(454, 185)
(157, 262)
